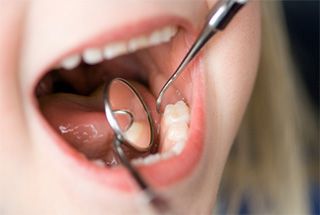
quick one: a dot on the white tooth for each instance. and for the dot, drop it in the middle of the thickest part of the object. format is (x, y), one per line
(167, 155)
(114, 50)
(137, 43)
(151, 159)
(137, 161)
(178, 147)
(178, 112)
(99, 163)
(177, 132)
(174, 127)
(92, 56)
(155, 38)
(163, 35)
(71, 62)
(168, 32)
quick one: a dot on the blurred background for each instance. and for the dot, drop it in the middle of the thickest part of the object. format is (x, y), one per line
(302, 18)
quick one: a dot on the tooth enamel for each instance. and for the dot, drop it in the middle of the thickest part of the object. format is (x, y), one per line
(153, 158)
(71, 62)
(174, 134)
(168, 32)
(162, 35)
(176, 113)
(174, 127)
(99, 163)
(92, 56)
(177, 132)
(137, 43)
(178, 147)
(114, 50)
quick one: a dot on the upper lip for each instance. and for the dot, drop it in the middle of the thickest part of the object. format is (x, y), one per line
(117, 178)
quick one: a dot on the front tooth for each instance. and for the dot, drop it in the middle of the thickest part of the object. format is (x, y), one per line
(137, 43)
(114, 50)
(92, 56)
(71, 62)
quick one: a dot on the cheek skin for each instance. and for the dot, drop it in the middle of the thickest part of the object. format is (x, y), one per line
(232, 62)
(231, 65)
(14, 140)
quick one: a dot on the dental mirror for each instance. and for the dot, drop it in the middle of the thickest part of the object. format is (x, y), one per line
(128, 115)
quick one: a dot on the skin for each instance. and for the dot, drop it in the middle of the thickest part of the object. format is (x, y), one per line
(31, 182)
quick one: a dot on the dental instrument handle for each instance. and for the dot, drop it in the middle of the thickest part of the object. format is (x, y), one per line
(218, 19)
(155, 200)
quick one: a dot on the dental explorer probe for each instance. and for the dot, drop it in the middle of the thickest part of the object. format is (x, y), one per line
(219, 17)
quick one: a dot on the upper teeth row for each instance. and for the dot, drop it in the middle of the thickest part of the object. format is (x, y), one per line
(96, 55)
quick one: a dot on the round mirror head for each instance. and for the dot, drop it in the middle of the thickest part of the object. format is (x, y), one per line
(128, 115)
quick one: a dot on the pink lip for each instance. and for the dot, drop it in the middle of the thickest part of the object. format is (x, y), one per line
(162, 173)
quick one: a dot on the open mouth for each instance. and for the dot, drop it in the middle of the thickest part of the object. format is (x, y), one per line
(70, 99)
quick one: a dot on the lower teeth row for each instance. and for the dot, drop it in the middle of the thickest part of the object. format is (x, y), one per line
(173, 135)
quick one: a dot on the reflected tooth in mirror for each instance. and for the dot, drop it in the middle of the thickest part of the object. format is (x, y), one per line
(136, 135)
(71, 62)
(92, 56)
(114, 50)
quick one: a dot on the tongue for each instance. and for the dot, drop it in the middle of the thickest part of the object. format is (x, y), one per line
(81, 121)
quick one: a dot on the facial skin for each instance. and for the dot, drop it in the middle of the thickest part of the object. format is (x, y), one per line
(33, 180)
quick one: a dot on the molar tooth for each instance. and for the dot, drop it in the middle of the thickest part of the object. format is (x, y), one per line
(178, 112)
(178, 147)
(114, 50)
(168, 32)
(174, 127)
(163, 35)
(71, 62)
(177, 132)
(92, 56)
(155, 38)
(137, 43)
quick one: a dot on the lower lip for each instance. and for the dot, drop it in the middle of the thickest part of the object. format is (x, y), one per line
(160, 174)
